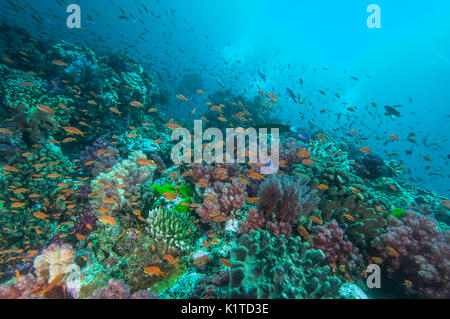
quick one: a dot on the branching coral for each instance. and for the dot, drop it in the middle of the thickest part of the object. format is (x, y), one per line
(171, 228)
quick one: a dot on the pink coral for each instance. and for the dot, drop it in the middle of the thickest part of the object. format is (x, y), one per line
(22, 288)
(414, 249)
(116, 289)
(330, 239)
(222, 198)
(208, 173)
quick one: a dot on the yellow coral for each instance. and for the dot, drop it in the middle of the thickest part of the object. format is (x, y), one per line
(53, 261)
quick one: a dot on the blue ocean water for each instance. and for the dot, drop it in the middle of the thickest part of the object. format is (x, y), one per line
(325, 43)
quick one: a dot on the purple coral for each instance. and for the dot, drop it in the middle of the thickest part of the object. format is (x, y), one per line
(413, 249)
(95, 161)
(208, 173)
(282, 200)
(22, 288)
(289, 150)
(116, 289)
(329, 238)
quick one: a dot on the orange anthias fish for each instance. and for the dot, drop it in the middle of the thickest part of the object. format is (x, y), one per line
(59, 63)
(136, 104)
(45, 108)
(170, 259)
(115, 110)
(144, 161)
(225, 262)
(11, 169)
(254, 175)
(316, 220)
(40, 215)
(200, 92)
(182, 97)
(108, 220)
(377, 260)
(303, 232)
(153, 270)
(17, 205)
(109, 200)
(349, 217)
(251, 200)
(5, 131)
(73, 130)
(392, 252)
(304, 153)
(27, 84)
(172, 126)
(393, 137)
(170, 196)
(55, 282)
(365, 150)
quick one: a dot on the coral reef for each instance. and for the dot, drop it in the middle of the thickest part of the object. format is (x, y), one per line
(414, 249)
(268, 267)
(92, 204)
(126, 180)
(171, 228)
(282, 200)
(340, 252)
(220, 200)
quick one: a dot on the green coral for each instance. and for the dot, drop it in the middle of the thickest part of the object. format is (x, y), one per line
(398, 213)
(172, 228)
(268, 267)
(185, 193)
